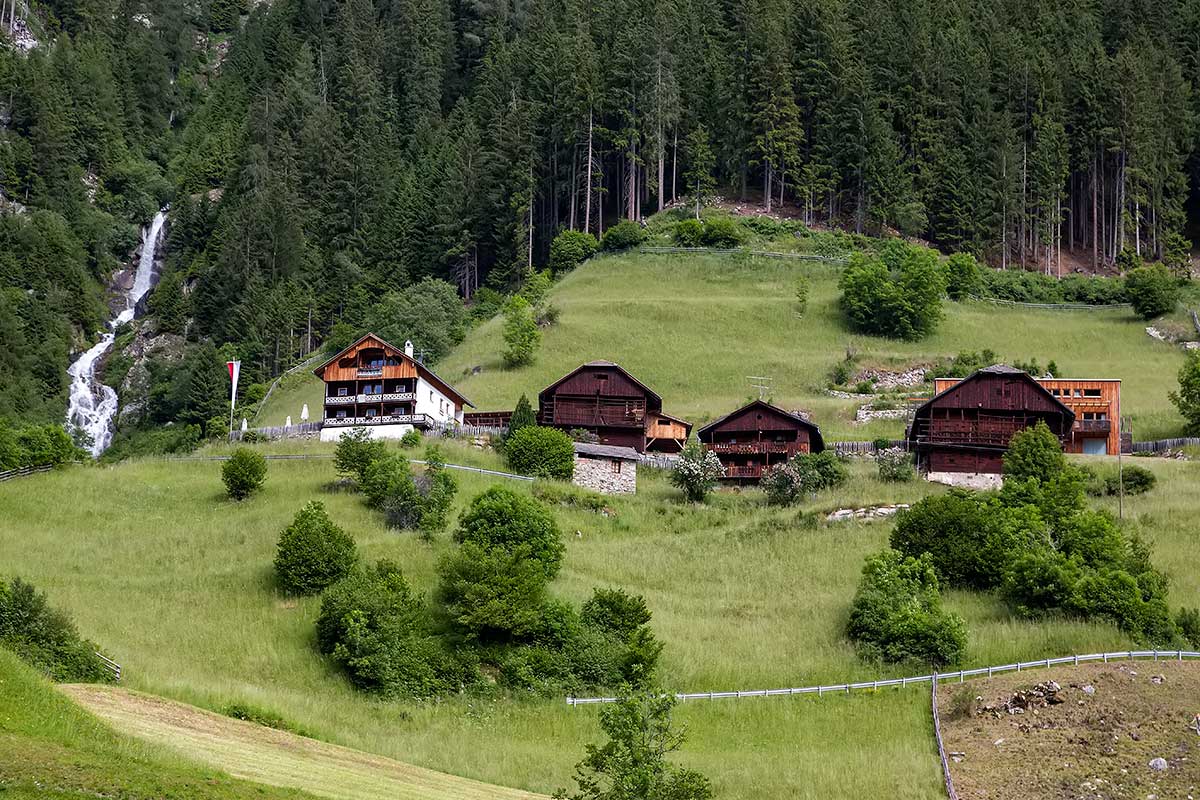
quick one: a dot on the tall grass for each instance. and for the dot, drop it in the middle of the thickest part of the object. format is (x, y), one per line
(175, 581)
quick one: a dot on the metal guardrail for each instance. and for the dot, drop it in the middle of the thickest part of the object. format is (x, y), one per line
(21, 472)
(110, 665)
(960, 676)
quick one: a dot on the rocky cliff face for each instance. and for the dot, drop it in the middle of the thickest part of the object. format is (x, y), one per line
(134, 388)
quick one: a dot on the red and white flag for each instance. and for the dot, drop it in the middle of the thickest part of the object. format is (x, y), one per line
(235, 369)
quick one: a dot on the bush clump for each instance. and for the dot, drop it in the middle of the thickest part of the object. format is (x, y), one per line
(806, 473)
(521, 334)
(356, 451)
(244, 473)
(1153, 290)
(501, 518)
(895, 465)
(901, 302)
(622, 236)
(411, 439)
(897, 613)
(541, 452)
(722, 232)
(962, 276)
(36, 446)
(312, 552)
(45, 638)
(689, 233)
(570, 249)
(697, 472)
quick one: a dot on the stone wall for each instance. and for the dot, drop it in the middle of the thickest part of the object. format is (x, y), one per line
(968, 480)
(598, 475)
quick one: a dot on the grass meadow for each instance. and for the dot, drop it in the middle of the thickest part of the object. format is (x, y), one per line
(695, 326)
(175, 582)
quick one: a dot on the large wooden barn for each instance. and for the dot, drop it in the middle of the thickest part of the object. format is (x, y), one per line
(967, 427)
(757, 436)
(603, 398)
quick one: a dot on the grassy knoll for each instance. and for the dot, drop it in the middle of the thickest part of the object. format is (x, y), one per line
(49, 747)
(694, 326)
(289, 398)
(175, 582)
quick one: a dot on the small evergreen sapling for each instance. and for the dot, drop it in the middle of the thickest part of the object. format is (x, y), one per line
(244, 473)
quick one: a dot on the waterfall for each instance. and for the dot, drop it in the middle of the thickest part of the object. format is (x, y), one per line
(93, 405)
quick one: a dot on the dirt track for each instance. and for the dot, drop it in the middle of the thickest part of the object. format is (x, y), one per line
(265, 755)
(1096, 741)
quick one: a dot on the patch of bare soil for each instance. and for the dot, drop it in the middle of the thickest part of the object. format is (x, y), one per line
(265, 755)
(1098, 731)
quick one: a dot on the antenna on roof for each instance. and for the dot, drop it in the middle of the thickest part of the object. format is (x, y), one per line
(760, 382)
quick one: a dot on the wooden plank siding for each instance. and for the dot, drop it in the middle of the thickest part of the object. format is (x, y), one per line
(757, 436)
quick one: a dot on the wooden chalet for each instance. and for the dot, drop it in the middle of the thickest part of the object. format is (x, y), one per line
(966, 427)
(377, 385)
(603, 398)
(1097, 406)
(757, 436)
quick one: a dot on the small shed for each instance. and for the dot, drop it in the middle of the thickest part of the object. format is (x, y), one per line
(605, 468)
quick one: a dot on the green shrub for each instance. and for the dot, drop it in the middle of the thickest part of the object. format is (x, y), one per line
(1152, 290)
(897, 613)
(895, 465)
(802, 292)
(244, 473)
(493, 594)
(905, 303)
(696, 472)
(536, 286)
(806, 473)
(501, 519)
(385, 477)
(1188, 622)
(571, 496)
(410, 439)
(356, 451)
(45, 637)
(261, 716)
(962, 276)
(722, 232)
(570, 249)
(622, 236)
(382, 635)
(689, 233)
(437, 488)
(486, 303)
(522, 417)
(1137, 480)
(45, 445)
(615, 611)
(521, 334)
(1187, 399)
(1034, 453)
(541, 452)
(312, 552)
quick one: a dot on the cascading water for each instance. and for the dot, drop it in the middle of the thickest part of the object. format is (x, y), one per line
(93, 405)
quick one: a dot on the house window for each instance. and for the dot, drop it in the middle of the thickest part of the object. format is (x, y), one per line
(1091, 392)
(341, 414)
(341, 392)
(371, 412)
(664, 422)
(615, 466)
(431, 397)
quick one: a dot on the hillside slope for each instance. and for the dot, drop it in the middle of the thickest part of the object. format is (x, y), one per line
(274, 757)
(49, 746)
(695, 327)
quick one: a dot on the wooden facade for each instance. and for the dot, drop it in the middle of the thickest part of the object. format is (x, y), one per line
(1097, 406)
(605, 399)
(757, 436)
(967, 426)
(373, 383)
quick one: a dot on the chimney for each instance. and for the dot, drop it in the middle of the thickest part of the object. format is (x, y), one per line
(408, 348)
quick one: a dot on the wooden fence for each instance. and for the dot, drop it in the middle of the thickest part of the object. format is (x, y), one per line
(110, 665)
(941, 746)
(959, 676)
(1195, 320)
(21, 472)
(1162, 445)
(864, 448)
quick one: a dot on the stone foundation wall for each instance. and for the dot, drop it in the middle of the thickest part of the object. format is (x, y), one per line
(597, 474)
(968, 480)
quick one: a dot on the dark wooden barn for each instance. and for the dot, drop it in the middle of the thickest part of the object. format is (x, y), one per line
(967, 427)
(757, 436)
(603, 398)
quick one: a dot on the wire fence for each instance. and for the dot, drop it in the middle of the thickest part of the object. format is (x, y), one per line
(744, 251)
(960, 676)
(1053, 306)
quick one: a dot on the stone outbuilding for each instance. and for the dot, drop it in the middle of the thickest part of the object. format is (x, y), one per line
(607, 469)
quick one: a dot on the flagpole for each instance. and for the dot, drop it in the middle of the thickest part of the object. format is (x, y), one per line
(235, 368)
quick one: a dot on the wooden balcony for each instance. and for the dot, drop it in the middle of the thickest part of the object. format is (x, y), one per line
(756, 448)
(419, 420)
(743, 471)
(339, 400)
(369, 372)
(398, 397)
(1098, 426)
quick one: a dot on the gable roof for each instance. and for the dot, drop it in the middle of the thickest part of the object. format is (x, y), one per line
(607, 451)
(813, 428)
(997, 369)
(602, 364)
(422, 370)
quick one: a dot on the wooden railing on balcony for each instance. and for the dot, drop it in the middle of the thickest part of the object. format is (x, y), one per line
(753, 448)
(419, 420)
(370, 372)
(742, 471)
(1093, 426)
(339, 399)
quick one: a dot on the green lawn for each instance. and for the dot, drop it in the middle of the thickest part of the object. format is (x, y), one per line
(175, 582)
(49, 747)
(694, 327)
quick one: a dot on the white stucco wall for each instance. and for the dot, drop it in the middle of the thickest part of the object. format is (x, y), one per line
(334, 433)
(431, 401)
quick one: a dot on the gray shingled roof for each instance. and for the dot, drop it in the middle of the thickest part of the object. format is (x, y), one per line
(607, 451)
